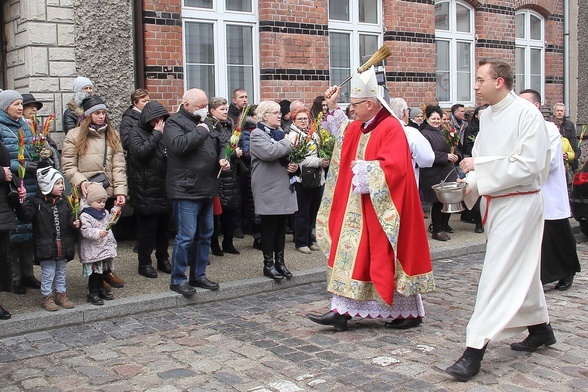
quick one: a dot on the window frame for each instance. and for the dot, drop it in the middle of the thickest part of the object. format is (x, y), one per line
(529, 44)
(455, 38)
(220, 18)
(355, 29)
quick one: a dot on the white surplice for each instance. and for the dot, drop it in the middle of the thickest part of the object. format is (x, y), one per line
(511, 155)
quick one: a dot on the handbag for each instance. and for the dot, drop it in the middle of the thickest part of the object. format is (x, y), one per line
(101, 178)
(311, 177)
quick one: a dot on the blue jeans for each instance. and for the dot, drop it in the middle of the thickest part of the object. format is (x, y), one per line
(195, 226)
(52, 274)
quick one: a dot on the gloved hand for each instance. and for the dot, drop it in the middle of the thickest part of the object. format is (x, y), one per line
(46, 153)
(32, 168)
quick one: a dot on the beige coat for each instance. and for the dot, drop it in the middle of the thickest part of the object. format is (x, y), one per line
(78, 168)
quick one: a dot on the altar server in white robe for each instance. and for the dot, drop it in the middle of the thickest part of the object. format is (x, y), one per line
(509, 164)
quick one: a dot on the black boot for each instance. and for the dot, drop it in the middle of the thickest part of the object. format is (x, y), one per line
(94, 298)
(281, 265)
(4, 314)
(331, 318)
(215, 247)
(257, 244)
(95, 283)
(269, 269)
(228, 246)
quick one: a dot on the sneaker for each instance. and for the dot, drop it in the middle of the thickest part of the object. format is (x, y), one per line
(304, 249)
(48, 304)
(62, 300)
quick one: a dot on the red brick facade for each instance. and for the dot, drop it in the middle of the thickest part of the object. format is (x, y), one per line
(294, 53)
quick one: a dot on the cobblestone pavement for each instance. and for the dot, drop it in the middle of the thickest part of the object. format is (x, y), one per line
(263, 343)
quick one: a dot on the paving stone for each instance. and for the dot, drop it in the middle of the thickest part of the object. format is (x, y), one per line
(176, 373)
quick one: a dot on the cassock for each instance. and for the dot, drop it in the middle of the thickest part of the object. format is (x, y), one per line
(511, 163)
(376, 243)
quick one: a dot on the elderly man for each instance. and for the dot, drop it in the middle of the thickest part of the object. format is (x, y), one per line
(370, 223)
(509, 164)
(195, 152)
(566, 128)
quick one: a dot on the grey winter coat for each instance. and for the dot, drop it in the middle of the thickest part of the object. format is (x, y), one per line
(93, 248)
(270, 181)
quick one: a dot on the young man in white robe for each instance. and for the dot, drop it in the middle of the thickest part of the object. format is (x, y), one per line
(509, 164)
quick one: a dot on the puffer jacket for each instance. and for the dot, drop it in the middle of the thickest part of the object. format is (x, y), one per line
(40, 211)
(193, 153)
(130, 118)
(93, 248)
(148, 163)
(7, 219)
(71, 116)
(229, 192)
(79, 168)
(9, 135)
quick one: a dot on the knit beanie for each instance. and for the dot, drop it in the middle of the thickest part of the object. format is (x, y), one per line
(284, 107)
(46, 178)
(7, 97)
(91, 104)
(95, 192)
(415, 112)
(80, 82)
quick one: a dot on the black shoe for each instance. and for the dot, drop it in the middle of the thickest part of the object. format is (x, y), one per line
(238, 233)
(430, 227)
(183, 288)
(18, 287)
(231, 249)
(441, 236)
(479, 228)
(331, 318)
(103, 294)
(563, 285)
(215, 248)
(464, 368)
(147, 271)
(164, 266)
(4, 314)
(404, 323)
(449, 229)
(283, 270)
(257, 244)
(31, 282)
(467, 220)
(272, 273)
(533, 342)
(94, 298)
(204, 283)
(288, 230)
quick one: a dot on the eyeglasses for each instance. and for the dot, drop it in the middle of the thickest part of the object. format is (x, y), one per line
(480, 81)
(301, 119)
(354, 104)
(276, 113)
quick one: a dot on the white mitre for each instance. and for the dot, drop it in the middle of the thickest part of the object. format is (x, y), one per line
(365, 85)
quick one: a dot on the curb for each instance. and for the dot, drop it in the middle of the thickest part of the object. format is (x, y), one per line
(42, 320)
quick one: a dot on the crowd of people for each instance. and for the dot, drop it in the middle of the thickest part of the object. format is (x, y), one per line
(220, 168)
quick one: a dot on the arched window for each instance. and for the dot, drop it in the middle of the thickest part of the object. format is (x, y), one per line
(352, 24)
(454, 51)
(530, 51)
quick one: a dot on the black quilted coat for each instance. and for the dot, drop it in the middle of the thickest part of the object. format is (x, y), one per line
(229, 191)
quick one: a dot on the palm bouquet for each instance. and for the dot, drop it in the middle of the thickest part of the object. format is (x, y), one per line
(74, 201)
(234, 139)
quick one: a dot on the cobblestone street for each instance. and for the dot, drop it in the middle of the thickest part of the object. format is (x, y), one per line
(263, 343)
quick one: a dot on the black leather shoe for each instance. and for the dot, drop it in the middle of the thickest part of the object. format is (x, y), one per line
(204, 283)
(103, 294)
(441, 236)
(95, 299)
(147, 271)
(164, 266)
(31, 282)
(331, 318)
(231, 249)
(183, 288)
(479, 228)
(563, 285)
(238, 234)
(4, 314)
(404, 323)
(464, 368)
(449, 229)
(533, 342)
(18, 287)
(257, 244)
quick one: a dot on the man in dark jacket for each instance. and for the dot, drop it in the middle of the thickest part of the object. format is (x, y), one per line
(567, 129)
(239, 102)
(195, 153)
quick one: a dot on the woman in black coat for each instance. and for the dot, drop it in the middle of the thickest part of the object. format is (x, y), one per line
(443, 164)
(130, 118)
(146, 156)
(229, 190)
(7, 223)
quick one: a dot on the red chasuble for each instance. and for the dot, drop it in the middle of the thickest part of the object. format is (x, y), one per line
(376, 243)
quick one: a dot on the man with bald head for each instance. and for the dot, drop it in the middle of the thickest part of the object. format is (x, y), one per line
(195, 153)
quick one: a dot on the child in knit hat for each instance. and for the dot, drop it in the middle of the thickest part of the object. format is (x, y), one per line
(53, 236)
(97, 245)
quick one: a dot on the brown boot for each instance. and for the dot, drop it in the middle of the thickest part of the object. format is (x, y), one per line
(48, 304)
(62, 300)
(113, 280)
